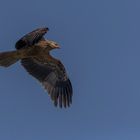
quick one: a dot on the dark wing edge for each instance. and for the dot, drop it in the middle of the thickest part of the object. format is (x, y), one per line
(59, 90)
(31, 38)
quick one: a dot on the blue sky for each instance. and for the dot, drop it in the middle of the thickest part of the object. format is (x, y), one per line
(100, 49)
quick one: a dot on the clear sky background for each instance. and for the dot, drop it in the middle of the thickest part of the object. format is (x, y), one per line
(100, 48)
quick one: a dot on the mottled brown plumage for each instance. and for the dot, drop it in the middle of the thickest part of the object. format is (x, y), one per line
(33, 51)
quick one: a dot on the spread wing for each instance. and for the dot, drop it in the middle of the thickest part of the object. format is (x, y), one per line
(54, 79)
(31, 38)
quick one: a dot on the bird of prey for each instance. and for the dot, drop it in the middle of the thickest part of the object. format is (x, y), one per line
(33, 52)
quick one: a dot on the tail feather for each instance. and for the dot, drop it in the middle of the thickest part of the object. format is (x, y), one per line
(8, 58)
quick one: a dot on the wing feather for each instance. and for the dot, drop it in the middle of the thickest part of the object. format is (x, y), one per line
(53, 78)
(31, 38)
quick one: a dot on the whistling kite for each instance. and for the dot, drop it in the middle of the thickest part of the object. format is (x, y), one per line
(33, 53)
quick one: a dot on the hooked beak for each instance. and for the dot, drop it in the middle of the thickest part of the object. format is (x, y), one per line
(58, 47)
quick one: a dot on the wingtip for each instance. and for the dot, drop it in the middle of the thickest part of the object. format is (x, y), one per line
(45, 29)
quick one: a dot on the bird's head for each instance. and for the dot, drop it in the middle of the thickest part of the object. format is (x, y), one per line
(48, 44)
(52, 44)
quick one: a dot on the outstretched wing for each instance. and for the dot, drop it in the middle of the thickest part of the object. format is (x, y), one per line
(31, 38)
(53, 77)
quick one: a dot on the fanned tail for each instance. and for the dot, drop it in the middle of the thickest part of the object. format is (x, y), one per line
(8, 58)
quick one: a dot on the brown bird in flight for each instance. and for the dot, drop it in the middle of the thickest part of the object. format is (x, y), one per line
(33, 53)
